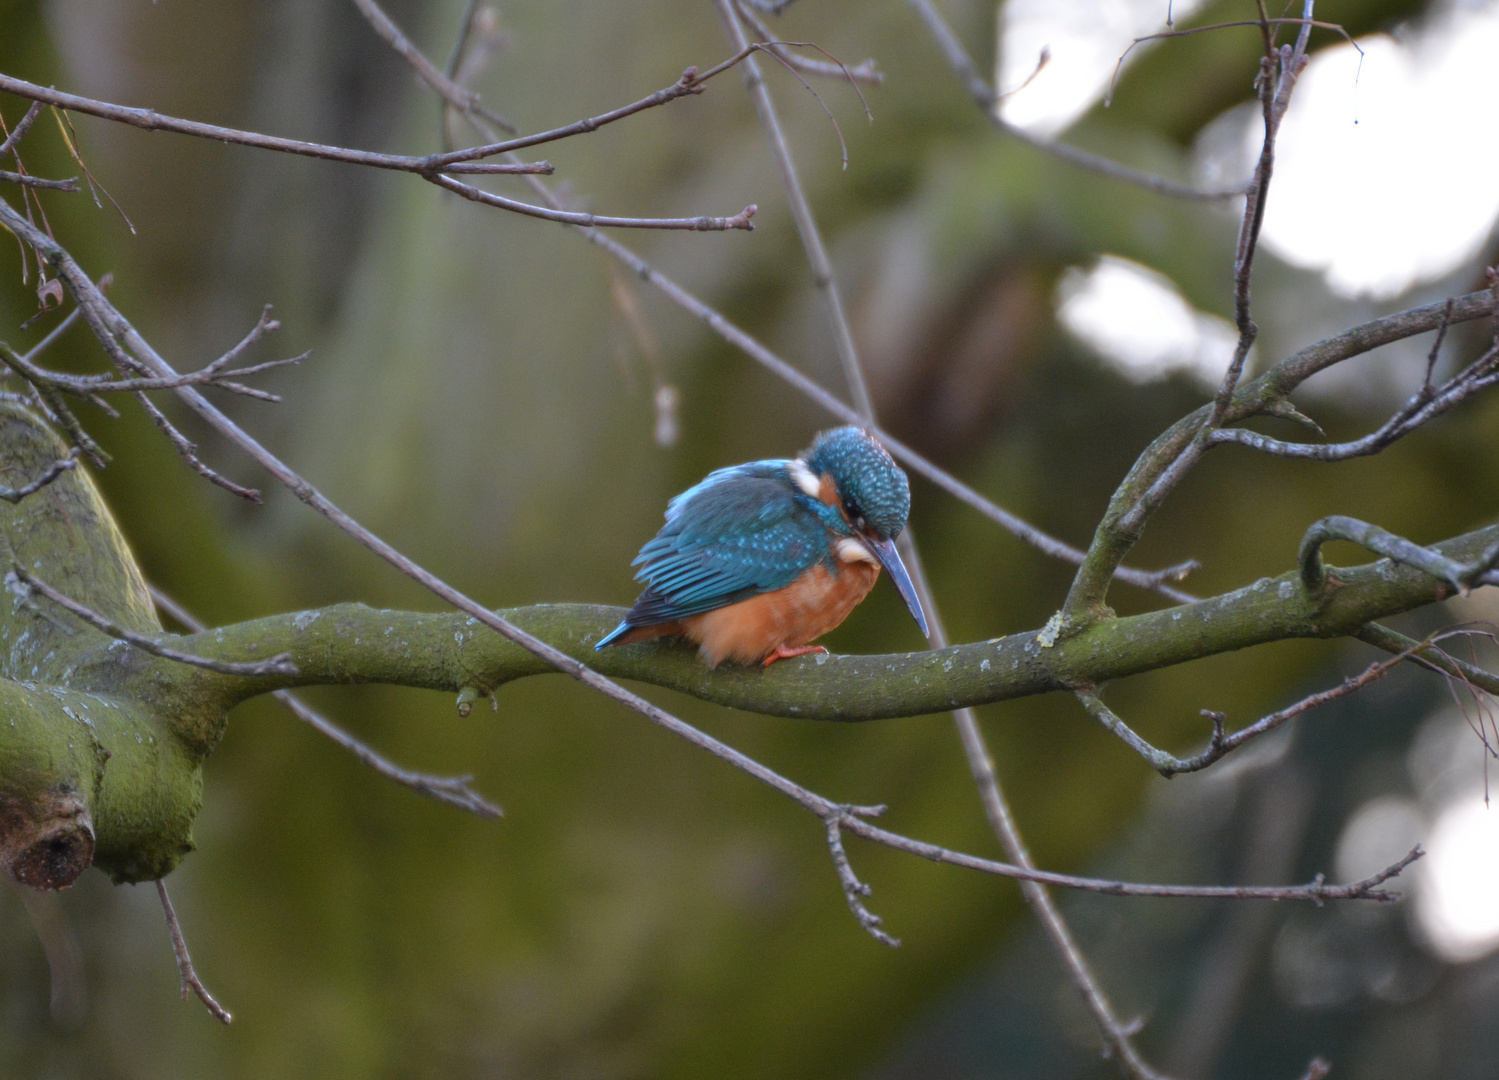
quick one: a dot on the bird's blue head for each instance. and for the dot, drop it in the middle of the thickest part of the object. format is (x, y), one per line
(871, 486)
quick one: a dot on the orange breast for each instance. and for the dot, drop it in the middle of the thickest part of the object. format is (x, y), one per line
(803, 611)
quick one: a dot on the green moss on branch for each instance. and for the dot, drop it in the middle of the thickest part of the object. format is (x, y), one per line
(350, 643)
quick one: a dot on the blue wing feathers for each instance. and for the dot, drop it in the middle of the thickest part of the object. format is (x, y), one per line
(761, 470)
(741, 531)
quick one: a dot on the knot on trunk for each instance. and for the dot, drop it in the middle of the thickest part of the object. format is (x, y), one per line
(46, 840)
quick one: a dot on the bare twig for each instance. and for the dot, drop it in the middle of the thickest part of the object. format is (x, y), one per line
(1220, 744)
(1108, 97)
(13, 139)
(150, 120)
(985, 97)
(688, 84)
(20, 582)
(51, 473)
(27, 180)
(1275, 98)
(386, 28)
(53, 406)
(216, 374)
(430, 167)
(801, 212)
(1422, 407)
(1430, 656)
(70, 140)
(865, 71)
(854, 890)
(741, 220)
(453, 790)
(1316, 891)
(1427, 390)
(1116, 1037)
(188, 452)
(1461, 576)
(185, 969)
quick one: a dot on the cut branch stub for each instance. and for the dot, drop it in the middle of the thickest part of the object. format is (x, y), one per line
(46, 841)
(93, 770)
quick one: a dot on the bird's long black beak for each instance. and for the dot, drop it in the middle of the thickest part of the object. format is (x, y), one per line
(884, 550)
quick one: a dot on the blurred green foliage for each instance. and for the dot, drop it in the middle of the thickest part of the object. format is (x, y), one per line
(476, 395)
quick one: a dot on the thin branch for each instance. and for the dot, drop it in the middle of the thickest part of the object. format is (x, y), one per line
(1427, 390)
(13, 139)
(1115, 1036)
(150, 120)
(1295, 369)
(70, 140)
(1275, 97)
(865, 71)
(27, 180)
(21, 582)
(1419, 409)
(185, 969)
(52, 335)
(387, 29)
(1462, 576)
(453, 790)
(985, 97)
(56, 410)
(854, 890)
(1316, 891)
(188, 452)
(51, 473)
(1108, 97)
(217, 373)
(740, 220)
(1431, 657)
(1220, 744)
(801, 212)
(431, 166)
(688, 84)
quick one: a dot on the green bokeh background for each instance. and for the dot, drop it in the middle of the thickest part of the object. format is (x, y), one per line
(477, 396)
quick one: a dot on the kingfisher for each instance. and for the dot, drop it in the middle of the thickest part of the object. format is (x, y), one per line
(760, 559)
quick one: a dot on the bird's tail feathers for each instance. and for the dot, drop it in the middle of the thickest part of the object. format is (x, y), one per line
(609, 639)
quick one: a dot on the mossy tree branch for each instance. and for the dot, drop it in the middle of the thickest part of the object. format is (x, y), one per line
(351, 643)
(108, 739)
(1268, 395)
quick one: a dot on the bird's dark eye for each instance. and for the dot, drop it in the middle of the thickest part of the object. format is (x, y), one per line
(859, 522)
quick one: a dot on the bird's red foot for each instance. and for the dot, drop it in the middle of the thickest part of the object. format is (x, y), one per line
(785, 652)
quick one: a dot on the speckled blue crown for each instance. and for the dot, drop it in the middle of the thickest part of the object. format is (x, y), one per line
(869, 482)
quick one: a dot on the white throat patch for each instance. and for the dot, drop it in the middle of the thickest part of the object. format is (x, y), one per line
(850, 550)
